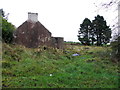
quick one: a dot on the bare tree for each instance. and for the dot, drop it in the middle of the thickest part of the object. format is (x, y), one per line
(114, 7)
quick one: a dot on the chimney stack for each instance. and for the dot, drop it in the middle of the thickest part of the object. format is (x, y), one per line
(32, 17)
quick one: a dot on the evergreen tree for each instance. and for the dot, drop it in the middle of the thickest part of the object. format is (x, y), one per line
(85, 31)
(95, 32)
(101, 30)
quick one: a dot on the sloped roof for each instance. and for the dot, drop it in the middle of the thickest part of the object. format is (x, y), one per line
(34, 26)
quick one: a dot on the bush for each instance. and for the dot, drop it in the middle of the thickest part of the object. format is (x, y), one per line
(116, 50)
(7, 31)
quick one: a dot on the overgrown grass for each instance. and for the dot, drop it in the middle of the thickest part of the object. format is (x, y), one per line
(52, 68)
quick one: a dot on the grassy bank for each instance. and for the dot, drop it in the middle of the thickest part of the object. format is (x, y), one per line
(53, 68)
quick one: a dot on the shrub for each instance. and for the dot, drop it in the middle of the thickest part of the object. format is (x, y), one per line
(7, 31)
(116, 50)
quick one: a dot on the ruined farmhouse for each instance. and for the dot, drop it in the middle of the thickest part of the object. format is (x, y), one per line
(33, 34)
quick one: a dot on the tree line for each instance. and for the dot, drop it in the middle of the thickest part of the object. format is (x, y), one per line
(95, 32)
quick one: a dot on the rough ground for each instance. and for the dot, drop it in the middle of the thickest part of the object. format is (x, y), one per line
(53, 68)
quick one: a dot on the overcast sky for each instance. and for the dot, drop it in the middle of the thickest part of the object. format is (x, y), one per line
(61, 17)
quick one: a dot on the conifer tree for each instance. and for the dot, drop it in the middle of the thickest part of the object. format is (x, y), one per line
(101, 30)
(84, 32)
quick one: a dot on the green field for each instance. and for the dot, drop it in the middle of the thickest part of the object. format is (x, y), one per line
(53, 68)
